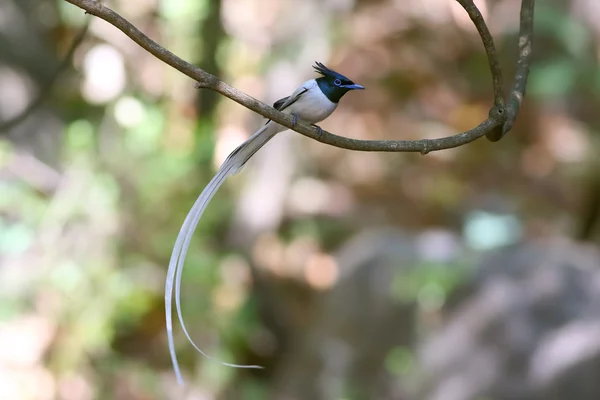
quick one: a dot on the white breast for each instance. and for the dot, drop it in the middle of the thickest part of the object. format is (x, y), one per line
(312, 106)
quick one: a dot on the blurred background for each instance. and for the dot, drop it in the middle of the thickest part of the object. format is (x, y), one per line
(466, 274)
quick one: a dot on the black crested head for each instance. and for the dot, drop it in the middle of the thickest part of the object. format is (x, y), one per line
(327, 72)
(333, 84)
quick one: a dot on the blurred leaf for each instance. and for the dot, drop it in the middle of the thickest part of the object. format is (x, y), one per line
(400, 361)
(552, 79)
(69, 14)
(254, 390)
(79, 136)
(15, 238)
(179, 10)
(571, 33)
(427, 282)
(144, 137)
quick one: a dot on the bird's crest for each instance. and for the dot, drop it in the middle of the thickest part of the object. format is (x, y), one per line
(323, 70)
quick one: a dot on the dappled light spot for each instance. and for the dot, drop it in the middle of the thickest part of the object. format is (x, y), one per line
(129, 112)
(17, 92)
(228, 298)
(235, 271)
(298, 252)
(268, 252)
(228, 138)
(235, 281)
(23, 341)
(565, 138)
(75, 387)
(313, 196)
(431, 297)
(321, 271)
(485, 230)
(23, 344)
(104, 72)
(33, 383)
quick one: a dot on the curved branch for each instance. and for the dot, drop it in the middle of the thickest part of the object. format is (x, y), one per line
(497, 116)
(490, 49)
(47, 88)
(523, 61)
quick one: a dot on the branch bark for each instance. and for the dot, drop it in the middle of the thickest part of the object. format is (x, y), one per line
(493, 126)
(490, 49)
(523, 62)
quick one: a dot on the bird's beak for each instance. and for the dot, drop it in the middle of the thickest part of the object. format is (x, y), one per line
(354, 86)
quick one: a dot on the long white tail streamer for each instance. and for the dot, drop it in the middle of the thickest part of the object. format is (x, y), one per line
(234, 162)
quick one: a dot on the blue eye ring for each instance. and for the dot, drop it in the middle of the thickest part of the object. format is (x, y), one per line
(337, 82)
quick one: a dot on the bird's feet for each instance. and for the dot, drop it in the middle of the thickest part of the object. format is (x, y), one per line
(317, 127)
(319, 130)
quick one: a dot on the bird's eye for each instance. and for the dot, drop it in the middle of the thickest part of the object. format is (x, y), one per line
(337, 82)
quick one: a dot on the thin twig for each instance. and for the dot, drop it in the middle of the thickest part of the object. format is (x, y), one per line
(497, 116)
(523, 62)
(490, 49)
(47, 88)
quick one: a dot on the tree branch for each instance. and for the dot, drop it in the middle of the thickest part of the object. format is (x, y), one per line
(490, 49)
(497, 116)
(523, 61)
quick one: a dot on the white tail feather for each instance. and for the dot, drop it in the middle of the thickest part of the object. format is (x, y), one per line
(234, 162)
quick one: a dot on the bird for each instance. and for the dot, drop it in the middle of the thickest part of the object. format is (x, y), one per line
(312, 102)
